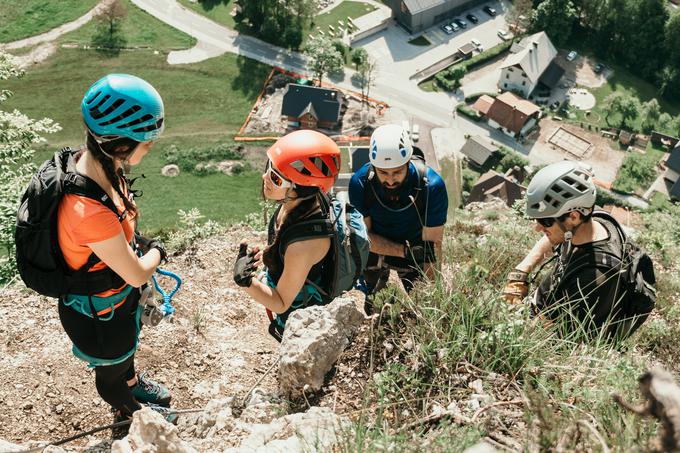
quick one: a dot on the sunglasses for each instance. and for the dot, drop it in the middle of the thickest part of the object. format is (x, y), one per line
(275, 177)
(547, 222)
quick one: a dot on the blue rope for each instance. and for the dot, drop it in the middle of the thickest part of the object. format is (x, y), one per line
(167, 307)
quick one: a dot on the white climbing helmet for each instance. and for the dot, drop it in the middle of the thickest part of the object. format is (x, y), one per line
(391, 147)
(560, 188)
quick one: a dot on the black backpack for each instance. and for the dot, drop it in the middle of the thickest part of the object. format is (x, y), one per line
(420, 199)
(636, 274)
(39, 258)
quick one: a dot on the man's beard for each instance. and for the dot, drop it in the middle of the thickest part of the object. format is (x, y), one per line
(392, 195)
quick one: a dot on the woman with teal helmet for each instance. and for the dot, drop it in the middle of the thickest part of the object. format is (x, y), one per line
(123, 115)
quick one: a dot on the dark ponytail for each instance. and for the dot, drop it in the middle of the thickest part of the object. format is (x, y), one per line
(120, 148)
(305, 208)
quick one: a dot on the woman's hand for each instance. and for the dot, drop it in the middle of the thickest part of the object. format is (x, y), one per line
(246, 265)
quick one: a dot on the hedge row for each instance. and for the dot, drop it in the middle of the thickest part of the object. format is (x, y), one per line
(469, 112)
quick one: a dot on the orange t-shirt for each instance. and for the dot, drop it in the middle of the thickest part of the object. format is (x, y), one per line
(81, 221)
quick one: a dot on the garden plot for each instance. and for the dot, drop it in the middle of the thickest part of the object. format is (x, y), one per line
(570, 142)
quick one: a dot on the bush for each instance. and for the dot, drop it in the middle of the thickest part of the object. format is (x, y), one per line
(509, 159)
(469, 112)
(473, 97)
(637, 172)
(192, 228)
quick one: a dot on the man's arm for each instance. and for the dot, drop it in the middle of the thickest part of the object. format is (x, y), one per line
(435, 235)
(381, 245)
(540, 251)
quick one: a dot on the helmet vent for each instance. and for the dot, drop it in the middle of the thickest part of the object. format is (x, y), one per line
(95, 110)
(548, 199)
(142, 119)
(151, 127)
(92, 98)
(109, 110)
(125, 114)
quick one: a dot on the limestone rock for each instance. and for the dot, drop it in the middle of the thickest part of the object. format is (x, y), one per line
(7, 446)
(316, 430)
(217, 417)
(481, 447)
(170, 170)
(313, 341)
(151, 433)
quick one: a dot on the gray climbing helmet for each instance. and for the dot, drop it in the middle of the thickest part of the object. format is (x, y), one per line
(560, 188)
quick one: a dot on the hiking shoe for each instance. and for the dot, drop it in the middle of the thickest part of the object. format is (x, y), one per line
(166, 412)
(149, 391)
(119, 432)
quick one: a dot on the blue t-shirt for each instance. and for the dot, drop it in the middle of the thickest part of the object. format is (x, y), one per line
(401, 220)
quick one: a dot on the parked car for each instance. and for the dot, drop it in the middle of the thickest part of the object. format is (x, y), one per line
(454, 26)
(477, 44)
(447, 29)
(490, 11)
(572, 55)
(472, 18)
(503, 34)
(415, 132)
(460, 22)
(406, 126)
(598, 68)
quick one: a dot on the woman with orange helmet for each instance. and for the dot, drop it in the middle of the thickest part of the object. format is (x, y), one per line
(301, 168)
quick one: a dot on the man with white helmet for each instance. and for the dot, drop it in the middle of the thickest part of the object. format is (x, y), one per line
(404, 203)
(585, 289)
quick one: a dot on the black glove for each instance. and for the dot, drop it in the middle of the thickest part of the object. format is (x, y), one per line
(420, 252)
(145, 244)
(244, 267)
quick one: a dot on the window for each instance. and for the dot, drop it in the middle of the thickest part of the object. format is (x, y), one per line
(507, 76)
(505, 85)
(524, 74)
(511, 70)
(523, 83)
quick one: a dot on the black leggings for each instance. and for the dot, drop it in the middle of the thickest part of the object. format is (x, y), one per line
(108, 340)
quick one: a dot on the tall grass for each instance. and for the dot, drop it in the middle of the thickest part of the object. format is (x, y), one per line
(552, 389)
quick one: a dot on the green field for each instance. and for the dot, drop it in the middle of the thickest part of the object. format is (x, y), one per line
(219, 11)
(140, 29)
(205, 103)
(23, 18)
(341, 12)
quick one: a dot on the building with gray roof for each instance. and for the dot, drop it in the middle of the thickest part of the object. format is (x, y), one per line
(419, 15)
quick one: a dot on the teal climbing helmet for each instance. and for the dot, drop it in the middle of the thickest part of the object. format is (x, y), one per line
(123, 105)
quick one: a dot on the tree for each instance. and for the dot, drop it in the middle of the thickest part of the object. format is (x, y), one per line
(665, 123)
(366, 73)
(324, 58)
(650, 112)
(456, 74)
(519, 15)
(18, 134)
(359, 57)
(108, 37)
(629, 109)
(276, 21)
(612, 104)
(672, 41)
(646, 31)
(556, 18)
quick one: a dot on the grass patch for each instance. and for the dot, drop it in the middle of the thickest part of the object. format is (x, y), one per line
(420, 41)
(218, 11)
(637, 172)
(344, 10)
(140, 29)
(23, 18)
(624, 81)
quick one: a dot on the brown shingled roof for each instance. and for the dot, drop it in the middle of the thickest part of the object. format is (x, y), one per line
(483, 104)
(511, 111)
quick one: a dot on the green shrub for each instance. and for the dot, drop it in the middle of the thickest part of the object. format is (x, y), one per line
(473, 97)
(637, 173)
(192, 228)
(469, 112)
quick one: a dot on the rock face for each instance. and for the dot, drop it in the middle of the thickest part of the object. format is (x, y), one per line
(170, 171)
(316, 430)
(313, 341)
(150, 432)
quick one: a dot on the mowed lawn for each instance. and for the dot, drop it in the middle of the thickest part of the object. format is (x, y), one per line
(23, 18)
(140, 29)
(205, 103)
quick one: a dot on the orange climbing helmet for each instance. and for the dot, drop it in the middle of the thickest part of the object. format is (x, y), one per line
(306, 158)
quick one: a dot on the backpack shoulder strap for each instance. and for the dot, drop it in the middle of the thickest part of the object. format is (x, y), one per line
(307, 229)
(83, 186)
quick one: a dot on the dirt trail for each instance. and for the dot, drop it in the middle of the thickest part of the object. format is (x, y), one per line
(217, 345)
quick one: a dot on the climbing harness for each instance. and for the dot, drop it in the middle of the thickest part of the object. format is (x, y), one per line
(153, 314)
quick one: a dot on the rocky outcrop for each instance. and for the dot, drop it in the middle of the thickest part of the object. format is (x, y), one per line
(313, 341)
(151, 433)
(170, 171)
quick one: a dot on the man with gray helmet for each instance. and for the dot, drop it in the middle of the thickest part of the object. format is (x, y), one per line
(586, 287)
(404, 204)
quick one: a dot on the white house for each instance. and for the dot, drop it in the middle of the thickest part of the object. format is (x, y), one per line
(529, 65)
(672, 173)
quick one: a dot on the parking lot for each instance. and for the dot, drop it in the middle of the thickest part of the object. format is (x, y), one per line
(390, 47)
